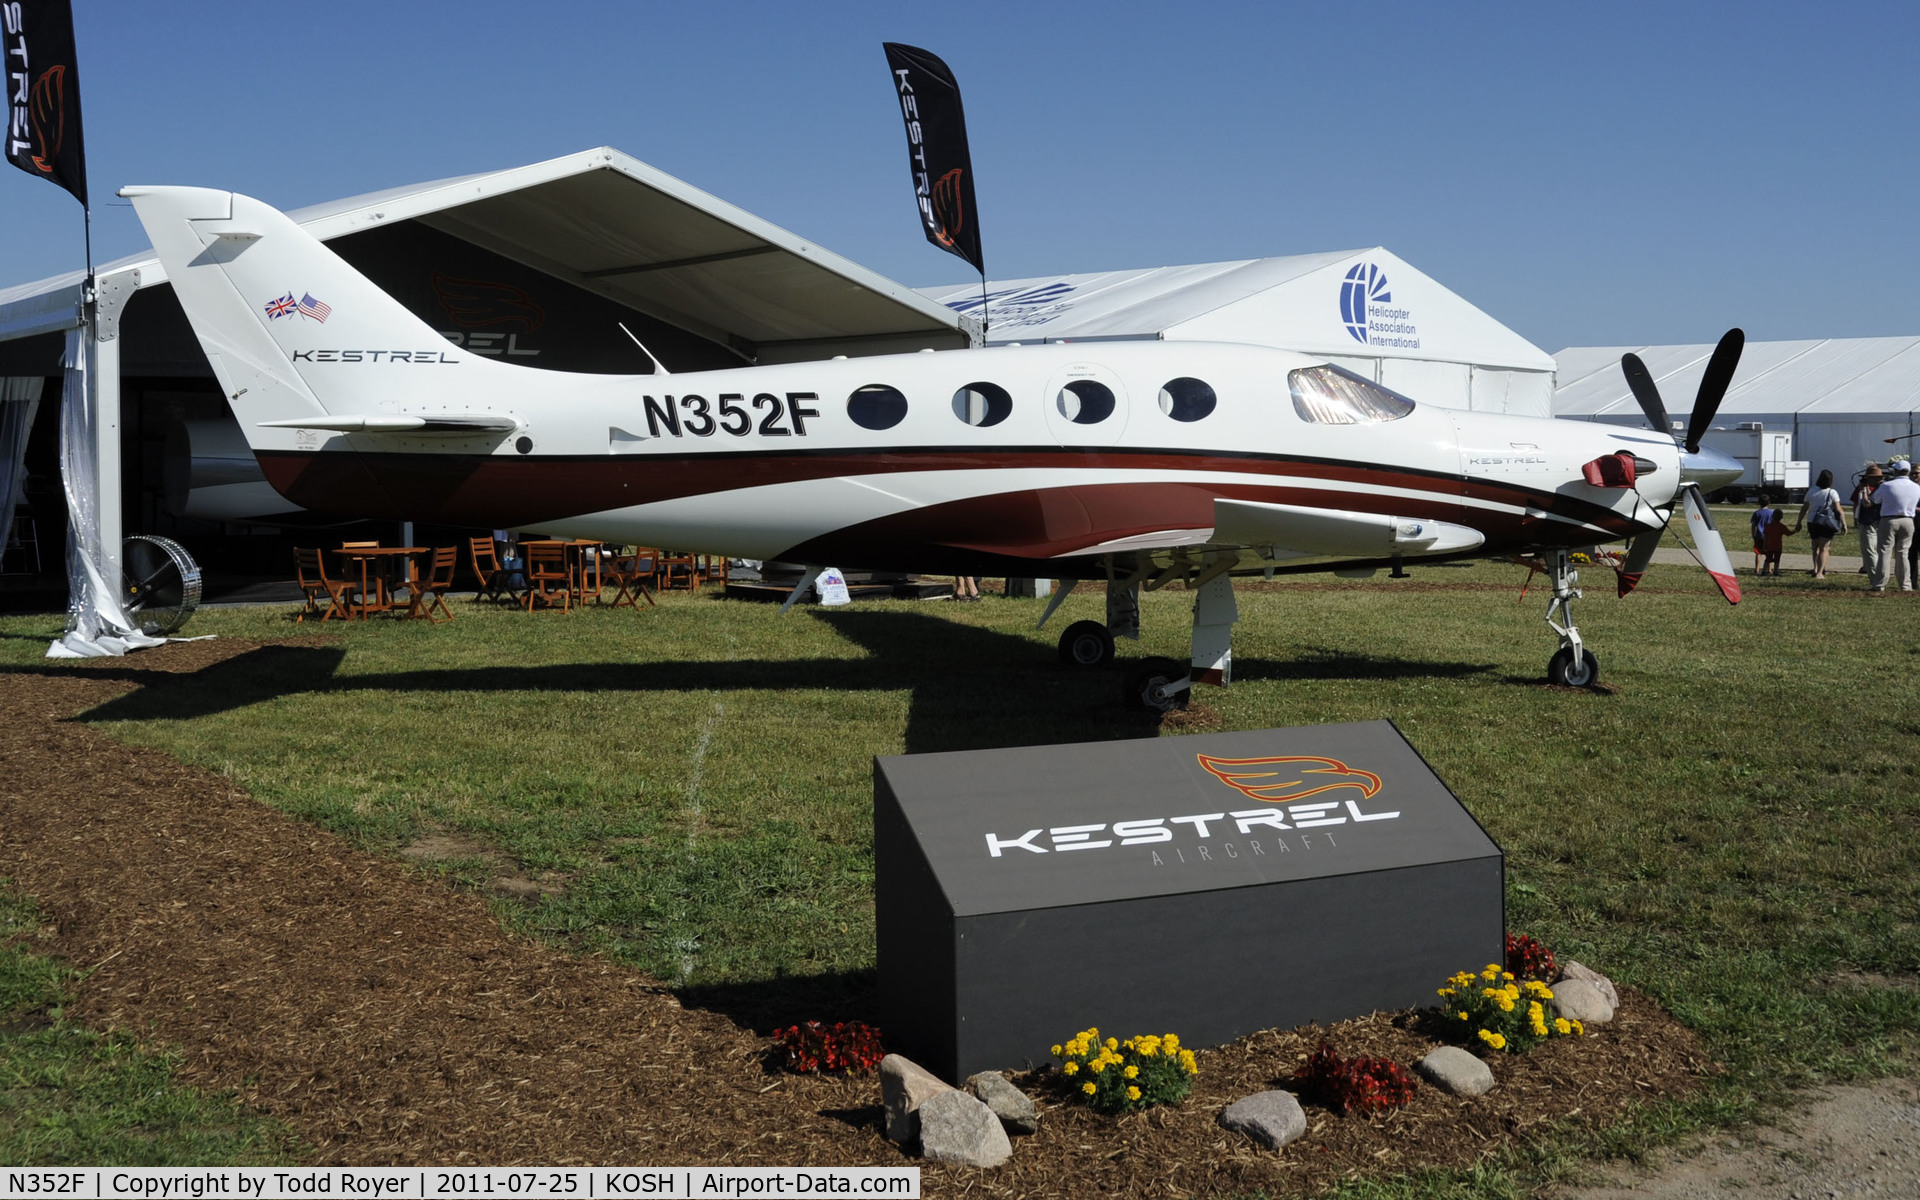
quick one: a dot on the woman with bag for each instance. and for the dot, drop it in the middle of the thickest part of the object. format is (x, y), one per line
(1823, 517)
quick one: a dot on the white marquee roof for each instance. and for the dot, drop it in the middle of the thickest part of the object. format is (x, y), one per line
(618, 227)
(1824, 376)
(1292, 303)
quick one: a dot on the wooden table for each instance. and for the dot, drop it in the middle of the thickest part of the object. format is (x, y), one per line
(367, 556)
(578, 562)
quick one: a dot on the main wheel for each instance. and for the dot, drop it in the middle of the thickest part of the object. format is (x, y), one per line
(1562, 670)
(1086, 644)
(1143, 688)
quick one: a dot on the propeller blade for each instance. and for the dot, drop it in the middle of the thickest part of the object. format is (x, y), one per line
(1706, 541)
(1714, 385)
(1641, 381)
(1639, 554)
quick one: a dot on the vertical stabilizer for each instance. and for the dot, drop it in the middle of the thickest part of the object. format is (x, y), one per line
(291, 329)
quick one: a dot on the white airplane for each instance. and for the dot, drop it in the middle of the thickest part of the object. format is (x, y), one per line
(1137, 464)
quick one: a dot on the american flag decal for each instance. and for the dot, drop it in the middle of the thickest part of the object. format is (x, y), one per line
(282, 307)
(309, 307)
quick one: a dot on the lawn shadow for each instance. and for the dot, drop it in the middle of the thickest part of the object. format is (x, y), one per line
(1324, 663)
(971, 688)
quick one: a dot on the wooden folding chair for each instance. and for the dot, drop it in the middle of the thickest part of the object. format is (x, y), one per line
(496, 581)
(632, 575)
(549, 580)
(439, 579)
(717, 569)
(310, 571)
(377, 576)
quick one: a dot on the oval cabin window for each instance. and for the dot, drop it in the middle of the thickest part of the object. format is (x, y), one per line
(877, 406)
(1186, 399)
(982, 404)
(1085, 402)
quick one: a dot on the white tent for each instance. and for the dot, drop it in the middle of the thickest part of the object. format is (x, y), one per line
(1841, 397)
(1367, 310)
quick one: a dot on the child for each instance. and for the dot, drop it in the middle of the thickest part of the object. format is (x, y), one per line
(1775, 541)
(1759, 521)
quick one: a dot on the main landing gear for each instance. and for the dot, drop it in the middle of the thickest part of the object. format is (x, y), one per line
(1573, 665)
(1159, 684)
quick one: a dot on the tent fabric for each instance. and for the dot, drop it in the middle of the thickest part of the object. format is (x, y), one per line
(19, 400)
(1817, 377)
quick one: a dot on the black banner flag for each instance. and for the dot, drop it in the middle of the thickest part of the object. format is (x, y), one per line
(937, 150)
(43, 92)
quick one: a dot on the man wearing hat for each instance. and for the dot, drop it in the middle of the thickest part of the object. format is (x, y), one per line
(1866, 515)
(1898, 497)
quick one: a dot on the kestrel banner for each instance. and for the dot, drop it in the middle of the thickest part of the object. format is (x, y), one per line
(43, 92)
(937, 150)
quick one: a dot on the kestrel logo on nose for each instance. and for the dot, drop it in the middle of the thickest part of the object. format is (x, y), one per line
(1285, 778)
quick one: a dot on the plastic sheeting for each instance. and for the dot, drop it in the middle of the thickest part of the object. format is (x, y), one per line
(19, 400)
(96, 623)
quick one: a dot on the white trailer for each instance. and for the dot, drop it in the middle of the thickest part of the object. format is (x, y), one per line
(1767, 454)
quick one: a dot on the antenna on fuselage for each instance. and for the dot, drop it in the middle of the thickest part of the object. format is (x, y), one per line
(659, 368)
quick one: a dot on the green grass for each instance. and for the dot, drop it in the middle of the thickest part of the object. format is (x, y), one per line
(1734, 829)
(69, 1096)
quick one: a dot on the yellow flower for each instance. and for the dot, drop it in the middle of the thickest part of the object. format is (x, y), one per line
(1133, 1093)
(1505, 1003)
(1056, 1052)
(1497, 1041)
(1098, 1065)
(1186, 1061)
(1562, 1026)
(1580, 1029)
(1112, 1044)
(1506, 974)
(1463, 1016)
(1088, 1087)
(1172, 1040)
(1072, 1068)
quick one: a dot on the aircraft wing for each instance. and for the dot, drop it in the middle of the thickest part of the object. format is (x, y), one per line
(1283, 531)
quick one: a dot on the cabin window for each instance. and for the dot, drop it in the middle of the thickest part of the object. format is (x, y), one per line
(982, 404)
(1085, 402)
(877, 406)
(1186, 399)
(1329, 395)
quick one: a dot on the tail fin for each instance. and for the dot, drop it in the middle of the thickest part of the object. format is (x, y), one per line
(292, 331)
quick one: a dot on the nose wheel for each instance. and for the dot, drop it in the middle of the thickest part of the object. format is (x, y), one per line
(1573, 665)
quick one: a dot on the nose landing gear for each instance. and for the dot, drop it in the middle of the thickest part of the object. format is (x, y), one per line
(1573, 665)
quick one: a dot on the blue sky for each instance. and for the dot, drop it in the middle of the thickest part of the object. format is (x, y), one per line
(1588, 174)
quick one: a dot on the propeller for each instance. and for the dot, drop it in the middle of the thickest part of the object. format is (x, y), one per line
(1706, 405)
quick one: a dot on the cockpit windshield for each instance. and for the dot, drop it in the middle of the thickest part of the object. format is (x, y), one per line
(1329, 395)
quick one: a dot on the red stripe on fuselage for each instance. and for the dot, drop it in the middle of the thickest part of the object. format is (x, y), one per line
(492, 491)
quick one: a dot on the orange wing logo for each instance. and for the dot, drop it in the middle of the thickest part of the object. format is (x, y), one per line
(48, 109)
(946, 207)
(1284, 779)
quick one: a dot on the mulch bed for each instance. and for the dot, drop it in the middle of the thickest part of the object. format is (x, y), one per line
(388, 1018)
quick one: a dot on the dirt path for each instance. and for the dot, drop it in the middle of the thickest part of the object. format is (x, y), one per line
(1843, 1142)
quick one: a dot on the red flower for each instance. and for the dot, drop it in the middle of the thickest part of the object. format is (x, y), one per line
(849, 1046)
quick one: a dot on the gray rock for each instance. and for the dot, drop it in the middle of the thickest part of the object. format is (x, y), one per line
(1454, 1070)
(1578, 1000)
(956, 1128)
(1271, 1118)
(1008, 1102)
(1574, 970)
(904, 1087)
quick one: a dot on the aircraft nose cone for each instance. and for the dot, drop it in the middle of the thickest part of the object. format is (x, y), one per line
(1709, 468)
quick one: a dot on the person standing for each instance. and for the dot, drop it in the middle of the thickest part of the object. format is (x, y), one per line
(1898, 498)
(1822, 516)
(1761, 518)
(1866, 516)
(966, 587)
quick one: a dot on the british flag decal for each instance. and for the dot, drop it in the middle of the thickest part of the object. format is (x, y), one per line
(283, 307)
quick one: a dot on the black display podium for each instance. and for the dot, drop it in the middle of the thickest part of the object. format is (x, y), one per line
(1207, 886)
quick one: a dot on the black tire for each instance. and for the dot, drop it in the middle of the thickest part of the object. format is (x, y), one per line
(1086, 644)
(1144, 681)
(1562, 672)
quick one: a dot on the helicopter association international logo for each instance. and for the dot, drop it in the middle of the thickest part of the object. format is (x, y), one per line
(1366, 309)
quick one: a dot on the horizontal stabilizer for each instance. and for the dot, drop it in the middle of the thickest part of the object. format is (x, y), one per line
(1316, 531)
(461, 423)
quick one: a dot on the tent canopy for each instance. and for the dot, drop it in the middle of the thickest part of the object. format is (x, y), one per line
(617, 227)
(1822, 377)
